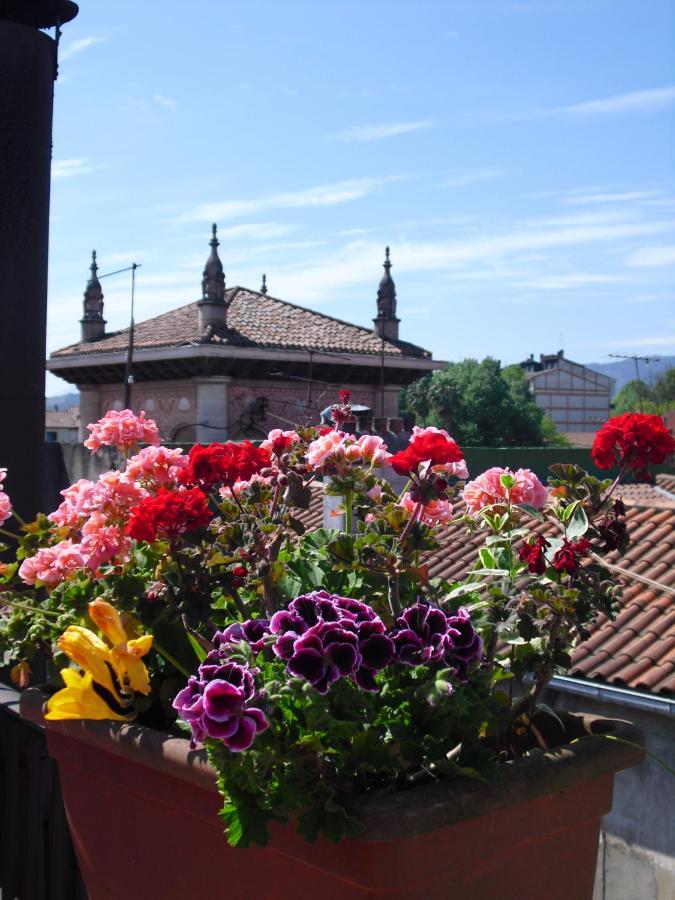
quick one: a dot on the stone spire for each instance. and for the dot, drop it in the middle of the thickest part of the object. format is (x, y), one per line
(386, 323)
(92, 322)
(263, 286)
(213, 305)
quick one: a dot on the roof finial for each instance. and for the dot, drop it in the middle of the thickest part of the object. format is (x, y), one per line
(263, 286)
(386, 323)
(213, 280)
(92, 321)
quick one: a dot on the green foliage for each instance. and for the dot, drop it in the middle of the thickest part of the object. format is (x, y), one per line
(635, 396)
(481, 405)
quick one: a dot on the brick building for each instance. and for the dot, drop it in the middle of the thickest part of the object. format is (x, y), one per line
(575, 397)
(238, 362)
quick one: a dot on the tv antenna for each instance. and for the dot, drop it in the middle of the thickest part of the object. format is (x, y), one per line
(129, 372)
(637, 360)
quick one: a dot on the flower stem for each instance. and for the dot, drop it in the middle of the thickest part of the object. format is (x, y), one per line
(9, 534)
(169, 658)
(393, 595)
(239, 603)
(25, 607)
(348, 511)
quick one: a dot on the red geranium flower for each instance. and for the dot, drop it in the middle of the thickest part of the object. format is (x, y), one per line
(634, 441)
(433, 448)
(168, 513)
(224, 464)
(567, 558)
(533, 554)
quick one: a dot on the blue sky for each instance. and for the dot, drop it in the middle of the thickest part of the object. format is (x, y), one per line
(519, 158)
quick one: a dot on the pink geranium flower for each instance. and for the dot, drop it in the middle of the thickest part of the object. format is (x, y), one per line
(373, 449)
(435, 512)
(52, 565)
(328, 445)
(5, 505)
(155, 466)
(123, 430)
(488, 490)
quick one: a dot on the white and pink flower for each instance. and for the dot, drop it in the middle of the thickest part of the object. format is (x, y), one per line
(331, 445)
(373, 449)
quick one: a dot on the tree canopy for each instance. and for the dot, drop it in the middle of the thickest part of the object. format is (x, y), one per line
(481, 405)
(638, 396)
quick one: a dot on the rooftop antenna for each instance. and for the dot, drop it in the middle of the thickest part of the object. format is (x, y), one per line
(128, 372)
(637, 360)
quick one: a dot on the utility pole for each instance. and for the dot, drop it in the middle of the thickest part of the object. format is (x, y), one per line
(128, 372)
(637, 360)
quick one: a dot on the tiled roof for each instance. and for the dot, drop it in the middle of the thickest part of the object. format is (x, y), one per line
(637, 649)
(253, 320)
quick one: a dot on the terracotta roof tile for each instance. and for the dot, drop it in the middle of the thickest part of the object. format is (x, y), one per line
(253, 320)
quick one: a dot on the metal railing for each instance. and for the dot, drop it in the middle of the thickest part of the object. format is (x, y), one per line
(37, 860)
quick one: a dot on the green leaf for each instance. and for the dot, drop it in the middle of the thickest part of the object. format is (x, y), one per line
(578, 524)
(486, 558)
(200, 652)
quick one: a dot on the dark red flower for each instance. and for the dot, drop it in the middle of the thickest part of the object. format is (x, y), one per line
(345, 397)
(432, 448)
(168, 514)
(281, 444)
(224, 464)
(567, 558)
(634, 441)
(533, 554)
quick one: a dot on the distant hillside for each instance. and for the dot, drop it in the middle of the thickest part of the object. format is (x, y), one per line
(63, 401)
(624, 370)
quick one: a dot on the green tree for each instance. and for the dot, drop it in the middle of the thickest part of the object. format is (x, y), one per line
(664, 391)
(634, 396)
(480, 404)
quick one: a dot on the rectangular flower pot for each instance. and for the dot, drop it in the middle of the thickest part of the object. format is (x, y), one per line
(143, 807)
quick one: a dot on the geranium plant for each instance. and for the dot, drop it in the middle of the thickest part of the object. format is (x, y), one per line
(184, 590)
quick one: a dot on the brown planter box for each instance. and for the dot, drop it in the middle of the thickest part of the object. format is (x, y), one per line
(142, 809)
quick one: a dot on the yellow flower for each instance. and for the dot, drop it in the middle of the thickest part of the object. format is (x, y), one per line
(110, 673)
(126, 658)
(108, 620)
(79, 700)
(90, 653)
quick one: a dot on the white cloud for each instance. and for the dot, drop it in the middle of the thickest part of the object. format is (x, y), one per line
(652, 256)
(78, 46)
(322, 195)
(69, 168)
(659, 340)
(360, 133)
(636, 101)
(472, 177)
(568, 281)
(589, 199)
(359, 261)
(633, 102)
(164, 101)
(256, 231)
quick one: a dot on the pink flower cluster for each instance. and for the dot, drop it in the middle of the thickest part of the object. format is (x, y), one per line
(51, 565)
(433, 512)
(5, 505)
(156, 466)
(488, 490)
(123, 430)
(95, 513)
(337, 448)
